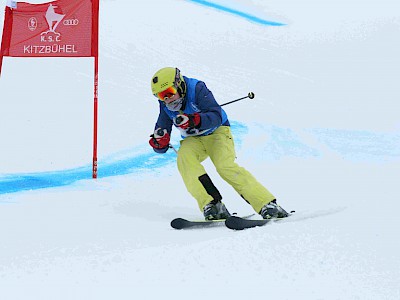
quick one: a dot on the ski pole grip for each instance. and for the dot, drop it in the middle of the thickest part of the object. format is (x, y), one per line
(160, 132)
(179, 120)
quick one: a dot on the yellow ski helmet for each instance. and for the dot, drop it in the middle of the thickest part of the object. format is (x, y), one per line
(168, 77)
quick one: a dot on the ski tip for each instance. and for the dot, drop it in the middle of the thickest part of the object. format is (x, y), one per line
(233, 222)
(178, 223)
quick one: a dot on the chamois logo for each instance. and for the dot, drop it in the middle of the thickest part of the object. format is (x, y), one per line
(53, 19)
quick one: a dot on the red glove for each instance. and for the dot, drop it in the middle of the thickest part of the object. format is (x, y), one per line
(160, 139)
(188, 121)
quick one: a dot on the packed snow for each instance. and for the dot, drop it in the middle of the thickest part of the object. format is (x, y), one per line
(322, 134)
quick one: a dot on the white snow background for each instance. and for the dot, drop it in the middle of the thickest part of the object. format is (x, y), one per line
(322, 134)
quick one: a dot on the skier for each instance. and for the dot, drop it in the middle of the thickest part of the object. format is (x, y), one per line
(187, 104)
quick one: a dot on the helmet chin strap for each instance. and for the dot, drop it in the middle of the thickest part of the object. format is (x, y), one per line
(183, 105)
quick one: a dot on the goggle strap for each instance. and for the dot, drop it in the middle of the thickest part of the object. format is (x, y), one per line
(177, 77)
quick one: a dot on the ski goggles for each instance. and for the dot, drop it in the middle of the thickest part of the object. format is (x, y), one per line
(168, 93)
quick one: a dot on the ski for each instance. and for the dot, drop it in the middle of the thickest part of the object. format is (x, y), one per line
(180, 223)
(237, 223)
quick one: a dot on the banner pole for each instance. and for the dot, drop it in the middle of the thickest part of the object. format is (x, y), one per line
(95, 113)
(6, 37)
(1, 62)
(95, 53)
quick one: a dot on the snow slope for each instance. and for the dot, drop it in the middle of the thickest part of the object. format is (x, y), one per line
(322, 134)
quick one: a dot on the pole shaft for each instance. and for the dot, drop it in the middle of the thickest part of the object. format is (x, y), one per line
(95, 113)
(250, 96)
(234, 101)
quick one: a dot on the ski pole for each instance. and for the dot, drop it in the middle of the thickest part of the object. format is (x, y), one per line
(249, 95)
(173, 148)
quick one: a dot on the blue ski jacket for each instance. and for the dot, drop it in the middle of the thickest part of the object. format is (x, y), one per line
(198, 99)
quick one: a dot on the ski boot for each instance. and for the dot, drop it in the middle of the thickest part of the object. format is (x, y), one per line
(215, 210)
(273, 210)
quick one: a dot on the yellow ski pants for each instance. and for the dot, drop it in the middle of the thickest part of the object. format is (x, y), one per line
(219, 146)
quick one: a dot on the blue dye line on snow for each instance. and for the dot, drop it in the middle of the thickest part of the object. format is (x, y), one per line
(360, 145)
(108, 167)
(285, 142)
(33, 181)
(238, 13)
(282, 142)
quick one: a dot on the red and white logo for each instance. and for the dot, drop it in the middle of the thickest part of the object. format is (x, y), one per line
(32, 24)
(53, 18)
